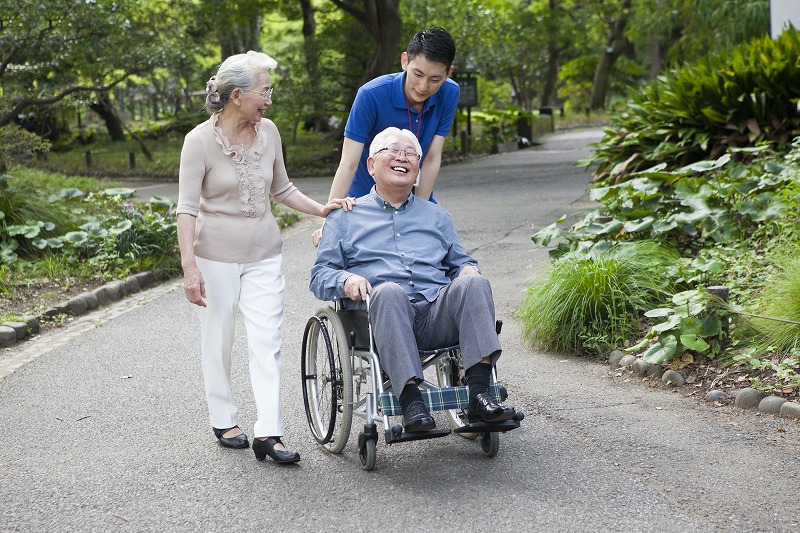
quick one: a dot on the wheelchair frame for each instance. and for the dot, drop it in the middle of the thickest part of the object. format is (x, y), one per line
(342, 377)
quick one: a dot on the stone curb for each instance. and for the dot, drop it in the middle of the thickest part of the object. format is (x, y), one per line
(14, 332)
(746, 399)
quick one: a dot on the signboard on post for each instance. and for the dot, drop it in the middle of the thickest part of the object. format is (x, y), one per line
(469, 91)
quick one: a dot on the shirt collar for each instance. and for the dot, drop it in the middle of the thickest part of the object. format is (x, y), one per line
(386, 205)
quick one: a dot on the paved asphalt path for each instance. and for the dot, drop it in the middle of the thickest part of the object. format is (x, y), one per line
(105, 428)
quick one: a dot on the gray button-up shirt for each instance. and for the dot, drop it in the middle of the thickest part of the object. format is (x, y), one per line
(414, 245)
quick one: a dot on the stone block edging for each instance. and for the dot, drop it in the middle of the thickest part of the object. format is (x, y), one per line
(747, 398)
(13, 332)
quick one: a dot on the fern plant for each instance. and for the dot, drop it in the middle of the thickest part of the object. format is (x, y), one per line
(742, 98)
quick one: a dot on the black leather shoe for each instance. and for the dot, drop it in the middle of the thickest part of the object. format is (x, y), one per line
(239, 441)
(483, 408)
(263, 448)
(417, 418)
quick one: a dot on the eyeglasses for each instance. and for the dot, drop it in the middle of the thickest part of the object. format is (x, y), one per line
(266, 95)
(395, 152)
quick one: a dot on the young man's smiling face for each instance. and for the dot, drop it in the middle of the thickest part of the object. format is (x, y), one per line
(423, 77)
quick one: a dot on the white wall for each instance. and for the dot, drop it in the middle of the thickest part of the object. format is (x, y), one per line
(781, 13)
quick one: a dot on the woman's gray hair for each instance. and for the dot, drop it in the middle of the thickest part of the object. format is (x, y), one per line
(381, 140)
(239, 70)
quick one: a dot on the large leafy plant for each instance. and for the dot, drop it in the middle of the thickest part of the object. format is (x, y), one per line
(743, 98)
(694, 207)
(691, 324)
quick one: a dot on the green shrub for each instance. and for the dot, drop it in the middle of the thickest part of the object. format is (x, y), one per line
(17, 144)
(743, 98)
(589, 303)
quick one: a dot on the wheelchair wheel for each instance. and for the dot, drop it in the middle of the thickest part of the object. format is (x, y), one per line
(490, 443)
(367, 455)
(327, 380)
(450, 373)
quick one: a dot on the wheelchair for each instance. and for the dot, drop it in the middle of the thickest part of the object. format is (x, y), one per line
(342, 377)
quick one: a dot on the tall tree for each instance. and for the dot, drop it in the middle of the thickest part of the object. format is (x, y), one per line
(381, 19)
(616, 19)
(59, 50)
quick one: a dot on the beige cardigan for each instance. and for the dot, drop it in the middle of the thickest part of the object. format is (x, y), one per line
(225, 186)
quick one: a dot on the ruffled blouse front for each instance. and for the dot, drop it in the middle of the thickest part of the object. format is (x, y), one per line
(227, 187)
(252, 190)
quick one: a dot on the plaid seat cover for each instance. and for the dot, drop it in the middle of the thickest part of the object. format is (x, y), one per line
(435, 399)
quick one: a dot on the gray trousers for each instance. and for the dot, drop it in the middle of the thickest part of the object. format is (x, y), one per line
(463, 314)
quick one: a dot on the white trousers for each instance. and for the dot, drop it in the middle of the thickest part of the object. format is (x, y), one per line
(255, 289)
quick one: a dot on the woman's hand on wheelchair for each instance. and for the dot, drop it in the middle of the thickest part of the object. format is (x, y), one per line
(356, 288)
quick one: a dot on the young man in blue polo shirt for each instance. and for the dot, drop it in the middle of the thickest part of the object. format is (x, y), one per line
(422, 98)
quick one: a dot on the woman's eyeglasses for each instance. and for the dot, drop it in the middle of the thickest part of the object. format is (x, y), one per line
(266, 95)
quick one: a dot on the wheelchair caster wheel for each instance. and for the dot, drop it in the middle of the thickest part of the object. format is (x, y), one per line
(367, 455)
(397, 430)
(490, 443)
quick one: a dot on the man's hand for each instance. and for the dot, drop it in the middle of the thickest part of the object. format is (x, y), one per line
(468, 271)
(356, 288)
(316, 237)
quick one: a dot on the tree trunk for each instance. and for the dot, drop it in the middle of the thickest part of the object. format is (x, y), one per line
(550, 90)
(655, 55)
(616, 43)
(240, 32)
(105, 109)
(654, 47)
(381, 18)
(317, 120)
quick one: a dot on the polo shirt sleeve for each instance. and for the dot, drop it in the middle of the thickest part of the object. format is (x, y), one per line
(362, 118)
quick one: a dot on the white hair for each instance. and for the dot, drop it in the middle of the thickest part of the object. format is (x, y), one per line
(383, 139)
(237, 71)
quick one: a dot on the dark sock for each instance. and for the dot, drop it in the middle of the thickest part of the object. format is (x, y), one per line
(409, 394)
(478, 379)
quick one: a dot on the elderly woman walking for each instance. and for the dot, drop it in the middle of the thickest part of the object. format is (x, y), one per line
(231, 245)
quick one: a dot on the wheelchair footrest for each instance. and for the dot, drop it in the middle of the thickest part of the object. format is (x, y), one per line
(484, 427)
(393, 436)
(438, 399)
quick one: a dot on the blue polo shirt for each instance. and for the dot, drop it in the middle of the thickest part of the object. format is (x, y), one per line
(381, 103)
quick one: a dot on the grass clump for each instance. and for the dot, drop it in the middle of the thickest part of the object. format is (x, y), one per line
(587, 304)
(781, 302)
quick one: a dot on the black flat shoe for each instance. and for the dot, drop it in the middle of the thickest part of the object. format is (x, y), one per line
(417, 418)
(239, 441)
(483, 408)
(263, 448)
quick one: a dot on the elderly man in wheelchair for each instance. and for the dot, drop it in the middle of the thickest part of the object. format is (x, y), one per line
(403, 254)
